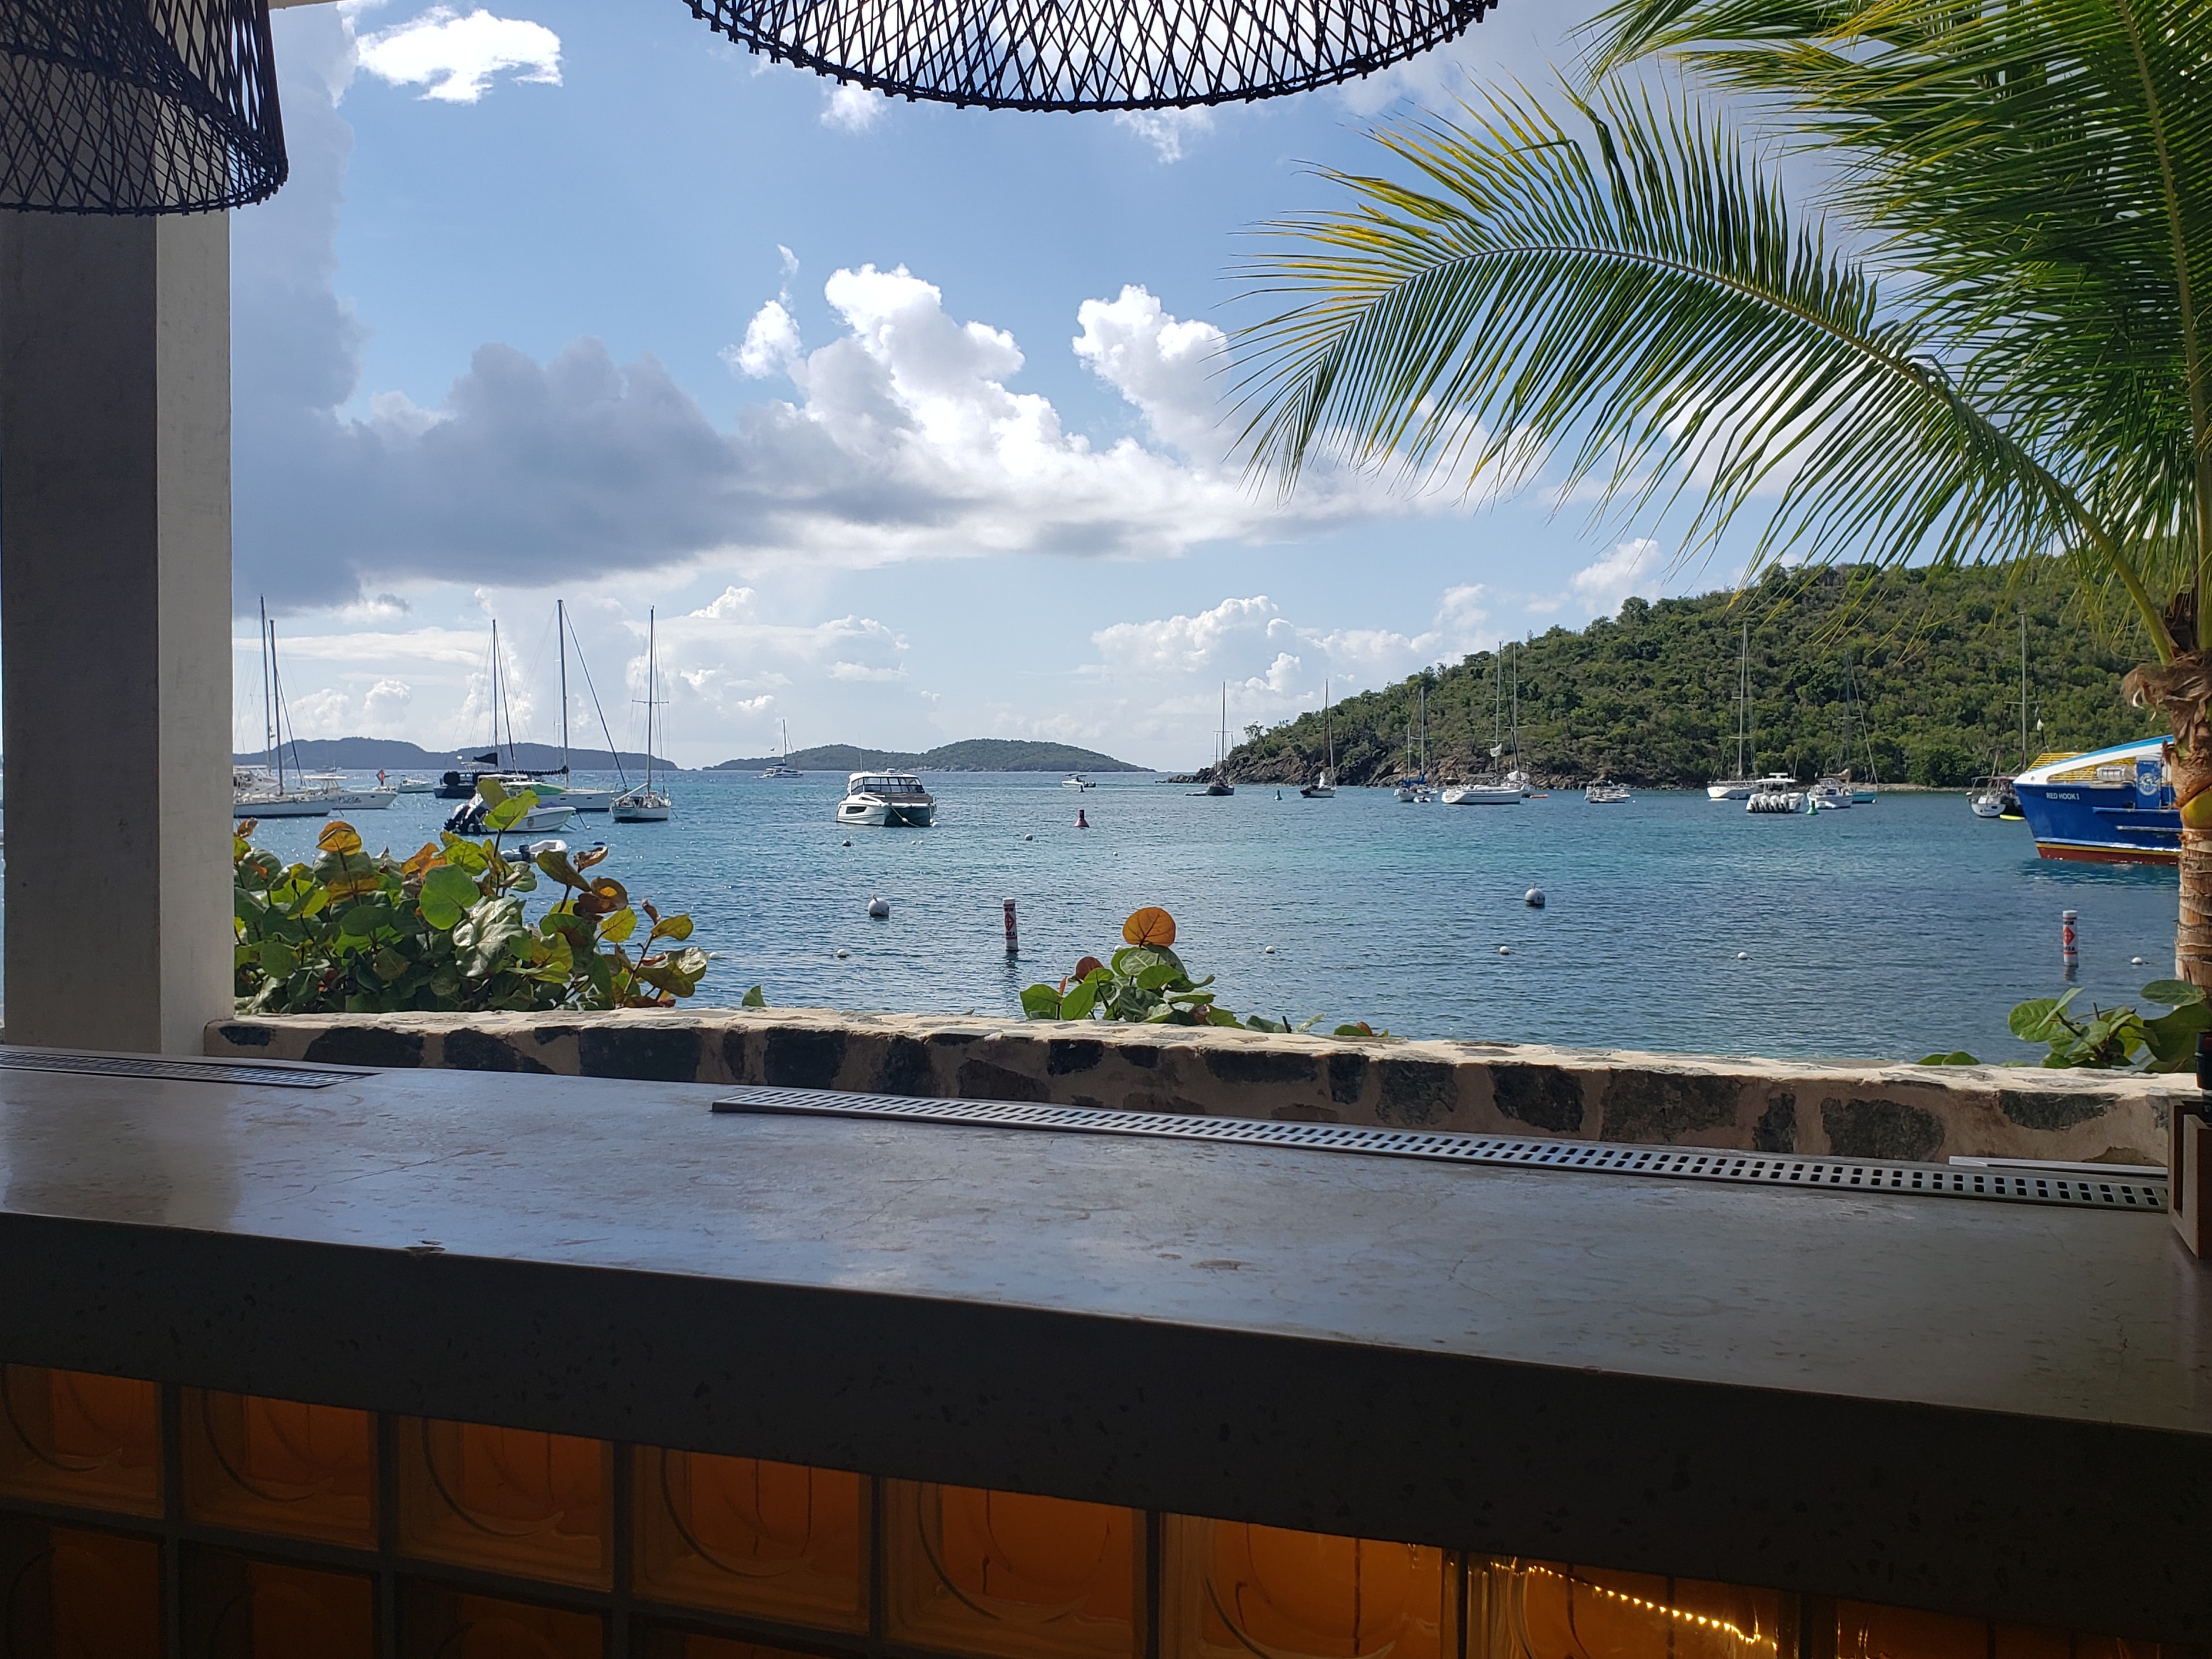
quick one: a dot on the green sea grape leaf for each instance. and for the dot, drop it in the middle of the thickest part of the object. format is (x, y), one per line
(753, 998)
(1079, 1001)
(1956, 1057)
(448, 894)
(1041, 1002)
(2173, 993)
(614, 929)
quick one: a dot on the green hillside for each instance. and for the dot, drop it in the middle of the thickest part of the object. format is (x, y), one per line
(1648, 697)
(970, 755)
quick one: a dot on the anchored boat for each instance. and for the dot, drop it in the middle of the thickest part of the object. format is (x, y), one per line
(880, 800)
(2108, 806)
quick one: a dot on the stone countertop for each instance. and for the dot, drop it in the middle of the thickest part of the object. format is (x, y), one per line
(1979, 1407)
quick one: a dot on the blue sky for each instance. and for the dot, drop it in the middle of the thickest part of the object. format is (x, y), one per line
(906, 420)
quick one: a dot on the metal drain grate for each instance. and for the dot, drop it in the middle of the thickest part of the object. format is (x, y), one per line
(181, 1071)
(2129, 1191)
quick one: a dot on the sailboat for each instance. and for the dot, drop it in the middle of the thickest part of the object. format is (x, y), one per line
(260, 791)
(1993, 796)
(1219, 784)
(1324, 787)
(546, 813)
(645, 804)
(1415, 788)
(1742, 786)
(783, 768)
(579, 800)
(1494, 791)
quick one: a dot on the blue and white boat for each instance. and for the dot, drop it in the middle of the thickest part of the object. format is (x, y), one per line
(2108, 806)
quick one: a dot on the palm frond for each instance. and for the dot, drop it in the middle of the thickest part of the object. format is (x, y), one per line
(1634, 301)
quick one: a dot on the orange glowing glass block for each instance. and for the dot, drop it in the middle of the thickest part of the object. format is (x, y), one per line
(1229, 1587)
(67, 1593)
(78, 1437)
(438, 1623)
(1548, 1610)
(236, 1607)
(1868, 1631)
(663, 1641)
(997, 1573)
(281, 1466)
(740, 1535)
(510, 1500)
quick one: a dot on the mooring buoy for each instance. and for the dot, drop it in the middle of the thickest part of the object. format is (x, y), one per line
(880, 908)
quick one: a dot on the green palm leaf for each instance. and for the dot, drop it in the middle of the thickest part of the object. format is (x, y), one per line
(1640, 307)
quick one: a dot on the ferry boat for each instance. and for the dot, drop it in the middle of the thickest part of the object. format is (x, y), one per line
(2108, 806)
(886, 798)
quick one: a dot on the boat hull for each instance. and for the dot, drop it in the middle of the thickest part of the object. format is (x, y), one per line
(1730, 790)
(2110, 806)
(296, 807)
(886, 815)
(1483, 795)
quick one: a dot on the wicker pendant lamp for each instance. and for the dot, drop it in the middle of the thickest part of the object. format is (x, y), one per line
(130, 106)
(1090, 54)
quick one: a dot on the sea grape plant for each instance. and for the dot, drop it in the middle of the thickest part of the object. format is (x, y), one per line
(2110, 1039)
(1145, 982)
(445, 930)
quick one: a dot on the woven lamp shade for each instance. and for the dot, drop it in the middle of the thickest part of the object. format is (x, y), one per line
(130, 106)
(1090, 54)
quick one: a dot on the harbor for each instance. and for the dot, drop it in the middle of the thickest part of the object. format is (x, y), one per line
(1673, 923)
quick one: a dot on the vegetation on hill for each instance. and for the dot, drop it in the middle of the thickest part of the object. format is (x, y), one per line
(970, 755)
(1648, 697)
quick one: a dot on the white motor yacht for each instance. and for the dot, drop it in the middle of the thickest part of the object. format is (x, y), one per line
(1768, 798)
(1602, 794)
(468, 819)
(886, 800)
(345, 797)
(1076, 781)
(417, 785)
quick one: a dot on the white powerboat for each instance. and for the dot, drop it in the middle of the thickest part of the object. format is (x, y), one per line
(1076, 781)
(886, 800)
(1770, 799)
(348, 798)
(1828, 795)
(417, 785)
(1602, 794)
(468, 819)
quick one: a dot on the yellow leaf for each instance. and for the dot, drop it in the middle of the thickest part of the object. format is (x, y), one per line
(1149, 925)
(340, 837)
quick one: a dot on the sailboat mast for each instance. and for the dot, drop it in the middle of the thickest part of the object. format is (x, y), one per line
(1516, 705)
(268, 702)
(1743, 703)
(2023, 688)
(1329, 731)
(651, 641)
(561, 627)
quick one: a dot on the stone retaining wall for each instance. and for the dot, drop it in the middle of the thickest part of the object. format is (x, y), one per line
(1856, 1110)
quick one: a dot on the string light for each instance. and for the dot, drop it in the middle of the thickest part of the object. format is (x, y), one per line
(1685, 1616)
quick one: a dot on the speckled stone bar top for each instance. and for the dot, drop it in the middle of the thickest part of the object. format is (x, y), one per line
(1996, 1410)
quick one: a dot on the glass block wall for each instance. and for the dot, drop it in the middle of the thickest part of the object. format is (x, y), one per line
(144, 1522)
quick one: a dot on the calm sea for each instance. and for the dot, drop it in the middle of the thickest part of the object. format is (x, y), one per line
(1673, 923)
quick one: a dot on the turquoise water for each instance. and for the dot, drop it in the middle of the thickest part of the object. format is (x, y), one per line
(1882, 931)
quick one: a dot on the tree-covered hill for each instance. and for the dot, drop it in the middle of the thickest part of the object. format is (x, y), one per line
(1648, 697)
(968, 755)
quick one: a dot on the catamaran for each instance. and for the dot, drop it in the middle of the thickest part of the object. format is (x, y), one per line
(782, 768)
(645, 804)
(886, 800)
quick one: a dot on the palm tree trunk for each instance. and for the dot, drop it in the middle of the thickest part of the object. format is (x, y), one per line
(2192, 935)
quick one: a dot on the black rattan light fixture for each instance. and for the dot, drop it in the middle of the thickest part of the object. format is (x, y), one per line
(137, 106)
(1090, 54)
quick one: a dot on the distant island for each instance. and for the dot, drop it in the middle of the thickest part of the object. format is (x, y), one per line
(970, 755)
(391, 754)
(1648, 695)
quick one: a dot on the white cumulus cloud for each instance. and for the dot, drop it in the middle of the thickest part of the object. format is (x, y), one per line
(1603, 584)
(454, 58)
(1166, 129)
(1167, 369)
(851, 108)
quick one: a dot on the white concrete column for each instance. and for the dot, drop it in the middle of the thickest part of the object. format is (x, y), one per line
(115, 670)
